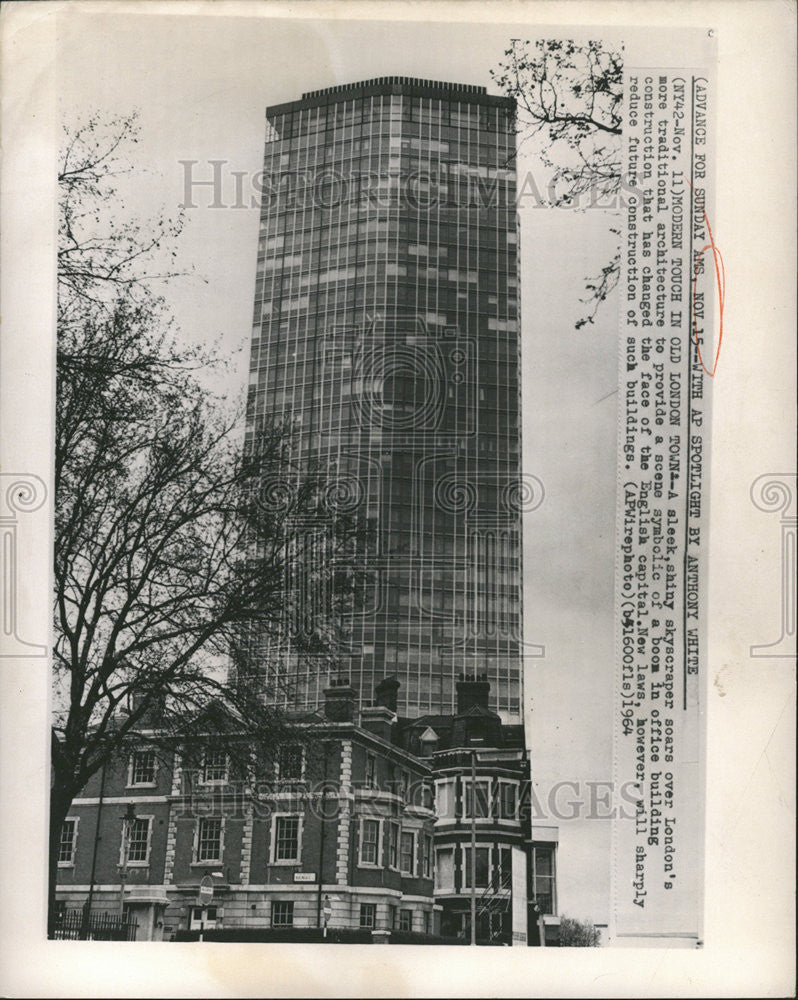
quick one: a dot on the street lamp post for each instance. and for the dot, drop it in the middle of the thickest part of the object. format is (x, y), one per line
(541, 925)
(323, 826)
(86, 921)
(473, 847)
(128, 819)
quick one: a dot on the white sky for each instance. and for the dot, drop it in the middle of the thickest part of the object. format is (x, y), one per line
(201, 86)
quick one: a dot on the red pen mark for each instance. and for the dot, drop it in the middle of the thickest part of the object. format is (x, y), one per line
(720, 284)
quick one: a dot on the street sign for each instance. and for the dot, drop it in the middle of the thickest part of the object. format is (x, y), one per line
(206, 890)
(327, 908)
(304, 876)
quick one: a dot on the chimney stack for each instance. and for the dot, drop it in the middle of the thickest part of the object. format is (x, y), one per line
(153, 713)
(339, 701)
(382, 715)
(385, 693)
(472, 691)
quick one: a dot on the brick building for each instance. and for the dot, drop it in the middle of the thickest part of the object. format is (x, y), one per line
(341, 821)
(364, 824)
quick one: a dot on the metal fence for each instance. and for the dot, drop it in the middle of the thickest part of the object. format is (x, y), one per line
(76, 925)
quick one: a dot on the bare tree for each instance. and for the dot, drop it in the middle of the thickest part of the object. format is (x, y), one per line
(572, 94)
(103, 253)
(172, 543)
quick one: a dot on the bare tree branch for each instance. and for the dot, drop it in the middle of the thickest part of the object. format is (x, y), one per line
(573, 94)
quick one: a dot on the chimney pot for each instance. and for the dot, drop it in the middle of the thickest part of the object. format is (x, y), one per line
(385, 693)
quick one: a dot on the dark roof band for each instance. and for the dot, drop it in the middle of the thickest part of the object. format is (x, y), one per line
(407, 86)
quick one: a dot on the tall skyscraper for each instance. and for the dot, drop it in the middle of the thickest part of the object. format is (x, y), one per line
(386, 327)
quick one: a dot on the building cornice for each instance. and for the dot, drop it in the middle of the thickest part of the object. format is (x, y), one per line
(404, 86)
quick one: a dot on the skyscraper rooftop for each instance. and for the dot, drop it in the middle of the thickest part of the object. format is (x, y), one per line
(401, 81)
(405, 85)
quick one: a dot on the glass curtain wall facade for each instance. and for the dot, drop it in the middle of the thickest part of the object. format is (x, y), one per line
(386, 328)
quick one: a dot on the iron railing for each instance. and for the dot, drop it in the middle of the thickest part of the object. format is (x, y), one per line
(76, 925)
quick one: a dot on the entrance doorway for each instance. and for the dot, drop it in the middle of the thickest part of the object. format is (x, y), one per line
(203, 918)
